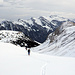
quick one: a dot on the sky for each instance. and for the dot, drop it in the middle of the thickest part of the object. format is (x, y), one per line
(24, 9)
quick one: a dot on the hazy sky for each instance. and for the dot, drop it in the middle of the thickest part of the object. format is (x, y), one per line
(14, 9)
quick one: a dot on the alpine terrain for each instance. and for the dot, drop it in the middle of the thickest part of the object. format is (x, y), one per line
(61, 42)
(37, 29)
(14, 60)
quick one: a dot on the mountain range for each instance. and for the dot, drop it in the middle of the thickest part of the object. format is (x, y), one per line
(37, 29)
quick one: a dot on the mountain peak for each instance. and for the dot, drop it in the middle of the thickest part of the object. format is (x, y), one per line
(52, 16)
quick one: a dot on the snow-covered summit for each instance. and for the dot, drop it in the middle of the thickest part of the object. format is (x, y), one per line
(56, 17)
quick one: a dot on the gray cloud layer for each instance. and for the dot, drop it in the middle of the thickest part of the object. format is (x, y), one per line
(14, 9)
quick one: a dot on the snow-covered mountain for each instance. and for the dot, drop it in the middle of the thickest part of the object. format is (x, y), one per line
(61, 42)
(37, 29)
(17, 38)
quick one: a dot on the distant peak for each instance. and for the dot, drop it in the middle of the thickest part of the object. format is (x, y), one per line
(52, 16)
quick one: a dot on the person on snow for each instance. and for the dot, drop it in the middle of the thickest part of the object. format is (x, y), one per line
(28, 51)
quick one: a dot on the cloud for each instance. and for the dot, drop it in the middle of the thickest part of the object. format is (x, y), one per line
(1, 1)
(42, 4)
(34, 8)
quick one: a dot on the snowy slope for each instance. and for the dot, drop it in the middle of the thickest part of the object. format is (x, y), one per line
(15, 61)
(61, 42)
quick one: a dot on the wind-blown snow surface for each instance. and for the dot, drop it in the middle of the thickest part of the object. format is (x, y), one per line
(61, 43)
(15, 61)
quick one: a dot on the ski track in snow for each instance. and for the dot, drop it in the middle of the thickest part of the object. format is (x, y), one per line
(43, 69)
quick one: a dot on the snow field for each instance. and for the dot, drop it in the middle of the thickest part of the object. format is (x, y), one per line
(15, 61)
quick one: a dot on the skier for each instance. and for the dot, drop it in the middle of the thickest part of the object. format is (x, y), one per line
(28, 51)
